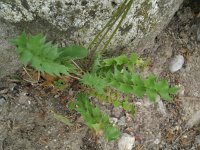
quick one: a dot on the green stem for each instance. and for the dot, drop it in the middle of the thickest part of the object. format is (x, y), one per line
(119, 24)
(108, 29)
(110, 21)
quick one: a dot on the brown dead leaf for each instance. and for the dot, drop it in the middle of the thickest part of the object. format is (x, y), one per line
(49, 78)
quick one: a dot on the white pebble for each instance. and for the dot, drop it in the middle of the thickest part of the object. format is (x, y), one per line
(176, 63)
(126, 142)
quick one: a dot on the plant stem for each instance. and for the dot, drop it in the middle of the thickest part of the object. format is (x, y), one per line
(128, 6)
(74, 77)
(110, 21)
(108, 29)
(77, 66)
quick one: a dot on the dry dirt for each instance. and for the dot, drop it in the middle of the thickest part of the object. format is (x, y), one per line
(27, 122)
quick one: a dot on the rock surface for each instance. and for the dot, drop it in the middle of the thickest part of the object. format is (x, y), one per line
(78, 21)
(8, 58)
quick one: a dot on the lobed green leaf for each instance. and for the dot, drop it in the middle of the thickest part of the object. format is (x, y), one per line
(73, 52)
(94, 119)
(111, 133)
(94, 81)
(42, 56)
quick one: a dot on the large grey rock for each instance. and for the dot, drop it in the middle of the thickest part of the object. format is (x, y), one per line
(8, 58)
(80, 20)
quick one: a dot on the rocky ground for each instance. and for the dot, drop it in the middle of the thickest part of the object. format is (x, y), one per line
(27, 108)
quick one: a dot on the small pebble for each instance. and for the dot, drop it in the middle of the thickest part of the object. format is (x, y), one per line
(126, 142)
(176, 63)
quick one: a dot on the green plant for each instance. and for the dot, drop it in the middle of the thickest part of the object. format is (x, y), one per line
(94, 119)
(46, 57)
(107, 80)
(123, 74)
